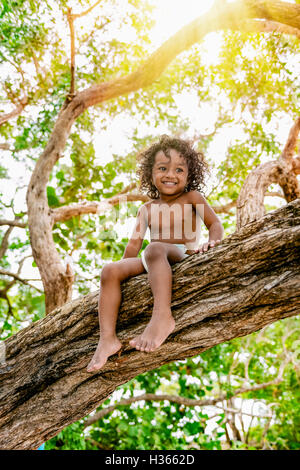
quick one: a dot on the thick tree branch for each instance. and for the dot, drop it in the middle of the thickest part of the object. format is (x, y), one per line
(249, 281)
(250, 203)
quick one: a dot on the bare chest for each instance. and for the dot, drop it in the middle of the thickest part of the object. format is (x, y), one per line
(171, 222)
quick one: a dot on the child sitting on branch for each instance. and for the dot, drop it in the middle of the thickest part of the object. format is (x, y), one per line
(172, 173)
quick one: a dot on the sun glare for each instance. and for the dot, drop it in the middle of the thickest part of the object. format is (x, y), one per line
(171, 15)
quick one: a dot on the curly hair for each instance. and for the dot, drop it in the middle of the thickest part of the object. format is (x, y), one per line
(197, 166)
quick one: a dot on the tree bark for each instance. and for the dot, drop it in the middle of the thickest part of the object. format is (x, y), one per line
(249, 281)
(284, 171)
(57, 279)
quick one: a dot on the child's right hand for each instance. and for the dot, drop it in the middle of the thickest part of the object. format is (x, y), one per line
(206, 246)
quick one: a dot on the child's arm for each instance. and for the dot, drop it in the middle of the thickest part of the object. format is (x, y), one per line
(211, 220)
(136, 240)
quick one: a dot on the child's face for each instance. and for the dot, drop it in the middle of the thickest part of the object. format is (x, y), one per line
(170, 174)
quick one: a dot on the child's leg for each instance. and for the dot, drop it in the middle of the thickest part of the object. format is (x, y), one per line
(108, 307)
(159, 256)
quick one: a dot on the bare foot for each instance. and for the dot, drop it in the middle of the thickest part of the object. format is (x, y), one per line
(155, 333)
(105, 348)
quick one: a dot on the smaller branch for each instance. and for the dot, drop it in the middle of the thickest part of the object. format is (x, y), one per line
(10, 312)
(225, 208)
(20, 71)
(5, 147)
(70, 18)
(18, 278)
(249, 427)
(267, 26)
(291, 142)
(15, 112)
(79, 15)
(63, 213)
(4, 243)
(235, 411)
(79, 237)
(128, 188)
(96, 444)
(21, 265)
(235, 360)
(274, 194)
(13, 223)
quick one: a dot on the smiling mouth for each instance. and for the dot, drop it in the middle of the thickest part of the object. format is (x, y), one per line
(169, 183)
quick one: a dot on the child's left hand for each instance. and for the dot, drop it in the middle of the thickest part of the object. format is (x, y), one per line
(206, 246)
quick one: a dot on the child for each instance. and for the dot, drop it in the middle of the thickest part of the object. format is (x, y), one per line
(172, 173)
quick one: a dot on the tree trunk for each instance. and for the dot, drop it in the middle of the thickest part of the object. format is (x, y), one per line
(250, 280)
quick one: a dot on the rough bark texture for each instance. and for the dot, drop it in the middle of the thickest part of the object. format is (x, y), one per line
(57, 279)
(251, 280)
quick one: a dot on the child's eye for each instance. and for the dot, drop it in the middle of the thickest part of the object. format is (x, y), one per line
(179, 169)
(162, 168)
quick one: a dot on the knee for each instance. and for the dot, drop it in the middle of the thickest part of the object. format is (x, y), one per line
(109, 272)
(154, 250)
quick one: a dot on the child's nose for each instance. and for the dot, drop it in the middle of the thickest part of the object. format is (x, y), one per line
(171, 172)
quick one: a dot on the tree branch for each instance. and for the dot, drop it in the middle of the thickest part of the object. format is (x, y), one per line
(13, 223)
(291, 142)
(18, 278)
(250, 203)
(15, 112)
(265, 26)
(64, 213)
(247, 282)
(70, 18)
(79, 15)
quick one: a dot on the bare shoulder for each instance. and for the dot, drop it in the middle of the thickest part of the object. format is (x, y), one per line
(144, 210)
(195, 197)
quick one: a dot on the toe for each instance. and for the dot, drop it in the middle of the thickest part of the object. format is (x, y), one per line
(134, 342)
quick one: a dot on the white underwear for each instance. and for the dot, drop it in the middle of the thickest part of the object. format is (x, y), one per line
(182, 247)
